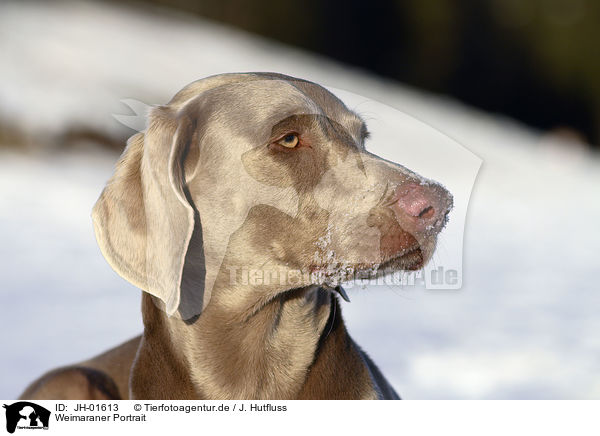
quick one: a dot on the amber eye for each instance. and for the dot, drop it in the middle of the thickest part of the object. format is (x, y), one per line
(289, 141)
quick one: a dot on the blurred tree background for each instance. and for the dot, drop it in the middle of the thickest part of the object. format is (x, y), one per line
(534, 60)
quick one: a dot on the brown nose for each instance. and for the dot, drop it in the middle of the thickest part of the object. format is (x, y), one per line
(422, 207)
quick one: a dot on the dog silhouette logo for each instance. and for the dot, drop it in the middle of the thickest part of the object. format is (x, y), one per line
(26, 415)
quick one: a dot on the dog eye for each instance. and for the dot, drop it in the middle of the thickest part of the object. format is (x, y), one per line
(289, 141)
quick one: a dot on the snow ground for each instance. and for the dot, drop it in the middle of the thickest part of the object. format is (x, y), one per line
(524, 325)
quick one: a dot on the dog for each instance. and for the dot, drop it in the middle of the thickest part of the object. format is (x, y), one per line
(240, 210)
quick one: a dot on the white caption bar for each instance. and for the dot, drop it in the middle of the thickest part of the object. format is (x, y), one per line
(301, 417)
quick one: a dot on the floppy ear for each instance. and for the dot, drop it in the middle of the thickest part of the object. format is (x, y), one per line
(143, 219)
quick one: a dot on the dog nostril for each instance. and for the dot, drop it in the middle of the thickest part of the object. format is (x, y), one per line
(428, 212)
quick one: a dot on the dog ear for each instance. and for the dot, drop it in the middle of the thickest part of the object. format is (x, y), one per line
(144, 219)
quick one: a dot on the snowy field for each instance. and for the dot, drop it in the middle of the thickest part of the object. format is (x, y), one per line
(524, 325)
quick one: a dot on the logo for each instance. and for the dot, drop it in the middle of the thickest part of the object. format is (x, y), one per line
(26, 415)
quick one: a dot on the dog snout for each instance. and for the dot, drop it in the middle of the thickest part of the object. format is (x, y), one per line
(421, 207)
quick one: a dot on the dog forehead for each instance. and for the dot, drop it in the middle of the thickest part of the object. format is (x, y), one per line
(331, 107)
(262, 99)
(247, 109)
(258, 96)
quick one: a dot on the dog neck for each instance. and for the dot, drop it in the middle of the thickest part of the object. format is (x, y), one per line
(293, 346)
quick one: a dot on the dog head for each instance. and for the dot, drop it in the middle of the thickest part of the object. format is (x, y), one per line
(266, 174)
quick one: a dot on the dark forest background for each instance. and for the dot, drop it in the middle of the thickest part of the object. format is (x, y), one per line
(534, 60)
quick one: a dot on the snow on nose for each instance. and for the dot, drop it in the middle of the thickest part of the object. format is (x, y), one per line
(421, 207)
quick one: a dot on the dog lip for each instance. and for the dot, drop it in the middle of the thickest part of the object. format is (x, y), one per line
(403, 256)
(396, 262)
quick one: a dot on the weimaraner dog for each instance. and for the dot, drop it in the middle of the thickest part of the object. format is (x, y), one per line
(239, 211)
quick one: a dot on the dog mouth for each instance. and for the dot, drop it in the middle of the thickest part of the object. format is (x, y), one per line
(410, 259)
